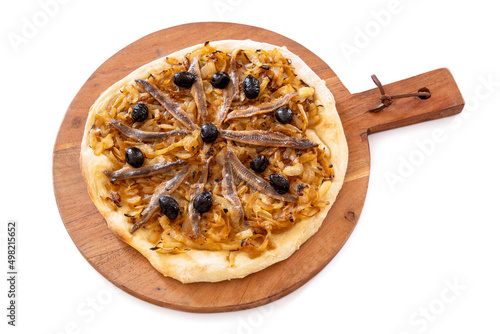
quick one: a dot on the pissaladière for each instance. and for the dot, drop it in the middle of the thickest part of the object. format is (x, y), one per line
(216, 161)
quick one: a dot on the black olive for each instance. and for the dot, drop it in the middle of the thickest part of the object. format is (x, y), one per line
(259, 163)
(203, 202)
(284, 115)
(134, 157)
(184, 79)
(169, 207)
(209, 133)
(280, 183)
(251, 87)
(220, 80)
(140, 112)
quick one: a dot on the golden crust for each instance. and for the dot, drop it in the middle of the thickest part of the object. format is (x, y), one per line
(213, 266)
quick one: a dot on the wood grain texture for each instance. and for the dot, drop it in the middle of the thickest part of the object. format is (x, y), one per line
(130, 271)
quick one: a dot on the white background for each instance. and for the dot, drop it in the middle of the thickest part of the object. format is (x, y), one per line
(436, 226)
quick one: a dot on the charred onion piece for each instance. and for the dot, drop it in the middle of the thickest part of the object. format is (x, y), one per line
(229, 188)
(127, 172)
(146, 135)
(173, 108)
(262, 108)
(197, 91)
(164, 189)
(232, 90)
(266, 138)
(255, 181)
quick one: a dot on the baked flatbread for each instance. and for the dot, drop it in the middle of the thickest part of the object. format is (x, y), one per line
(253, 221)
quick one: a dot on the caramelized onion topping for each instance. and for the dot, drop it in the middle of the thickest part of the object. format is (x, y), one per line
(246, 210)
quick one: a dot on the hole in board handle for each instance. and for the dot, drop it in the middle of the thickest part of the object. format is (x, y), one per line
(426, 90)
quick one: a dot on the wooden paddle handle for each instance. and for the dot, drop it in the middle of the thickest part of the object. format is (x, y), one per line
(445, 100)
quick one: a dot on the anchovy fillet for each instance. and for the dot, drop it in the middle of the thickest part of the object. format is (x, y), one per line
(266, 138)
(164, 189)
(128, 172)
(146, 136)
(262, 108)
(173, 108)
(255, 181)
(232, 90)
(191, 225)
(197, 91)
(229, 188)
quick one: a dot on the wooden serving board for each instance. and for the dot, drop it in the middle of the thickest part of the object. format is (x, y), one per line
(130, 271)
